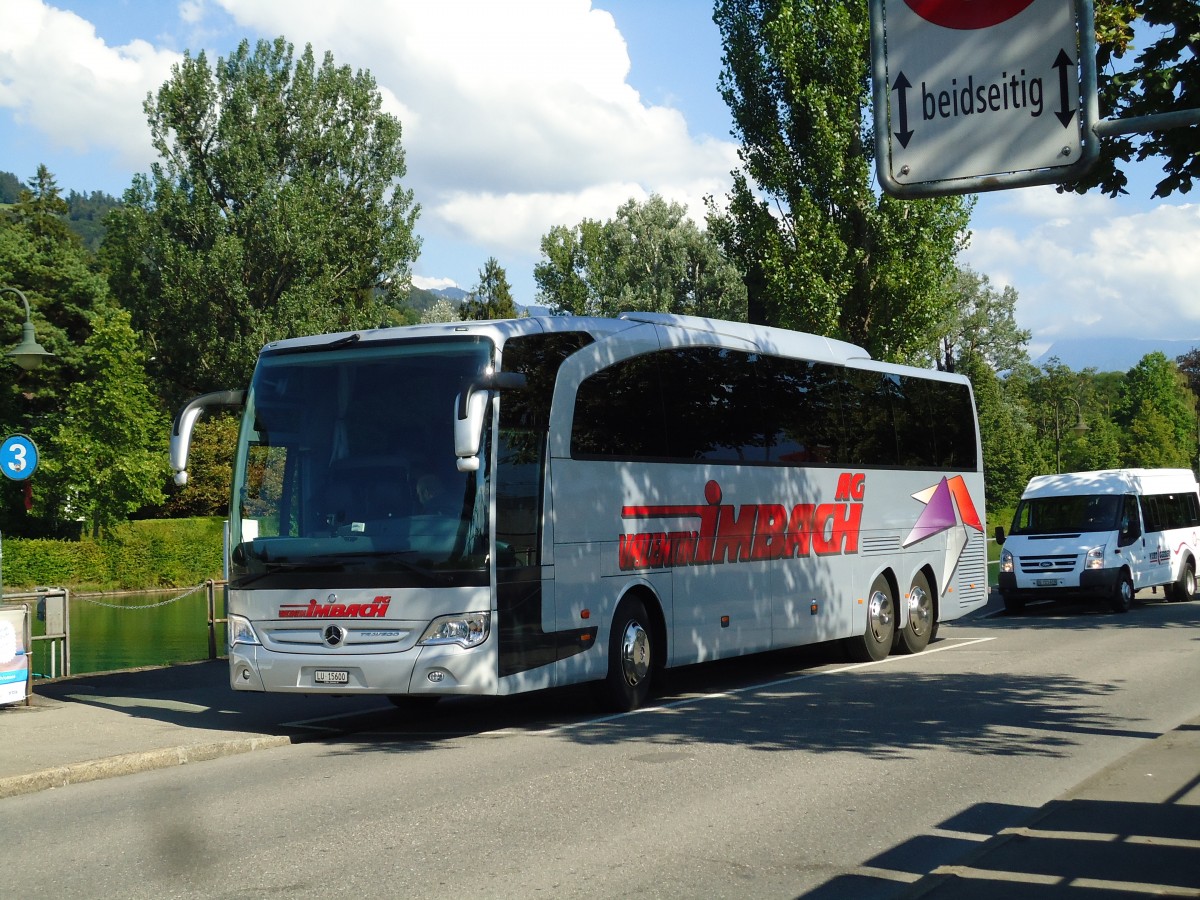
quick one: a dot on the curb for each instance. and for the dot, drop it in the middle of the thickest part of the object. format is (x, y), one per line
(131, 763)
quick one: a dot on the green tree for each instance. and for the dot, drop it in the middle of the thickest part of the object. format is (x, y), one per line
(980, 321)
(40, 257)
(1158, 412)
(651, 257)
(1189, 365)
(1162, 77)
(10, 187)
(820, 248)
(85, 216)
(274, 211)
(210, 469)
(443, 310)
(492, 297)
(107, 458)
(1009, 452)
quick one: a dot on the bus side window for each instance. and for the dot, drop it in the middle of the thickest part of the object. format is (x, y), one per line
(1131, 526)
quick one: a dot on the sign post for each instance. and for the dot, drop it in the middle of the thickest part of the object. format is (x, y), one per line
(974, 96)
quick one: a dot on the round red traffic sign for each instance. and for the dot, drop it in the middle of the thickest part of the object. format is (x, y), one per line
(967, 14)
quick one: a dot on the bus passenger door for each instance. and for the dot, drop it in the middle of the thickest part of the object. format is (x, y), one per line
(1132, 543)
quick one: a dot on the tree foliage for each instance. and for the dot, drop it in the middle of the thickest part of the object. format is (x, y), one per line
(107, 457)
(94, 361)
(210, 469)
(1010, 454)
(650, 257)
(1158, 410)
(821, 250)
(1161, 77)
(492, 296)
(980, 321)
(274, 211)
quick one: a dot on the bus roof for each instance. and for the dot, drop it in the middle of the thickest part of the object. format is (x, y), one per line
(777, 341)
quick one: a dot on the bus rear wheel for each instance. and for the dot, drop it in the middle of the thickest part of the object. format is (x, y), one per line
(875, 643)
(630, 658)
(916, 634)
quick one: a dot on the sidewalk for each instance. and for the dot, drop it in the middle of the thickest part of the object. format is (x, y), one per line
(102, 725)
(1130, 830)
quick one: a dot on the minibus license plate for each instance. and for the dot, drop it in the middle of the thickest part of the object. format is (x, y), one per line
(331, 676)
(1047, 582)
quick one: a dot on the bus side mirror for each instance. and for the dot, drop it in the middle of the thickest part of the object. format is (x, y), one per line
(181, 430)
(999, 534)
(470, 407)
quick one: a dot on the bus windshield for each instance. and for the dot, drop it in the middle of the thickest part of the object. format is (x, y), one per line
(346, 465)
(1068, 513)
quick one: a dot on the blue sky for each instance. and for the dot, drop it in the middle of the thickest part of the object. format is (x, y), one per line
(523, 114)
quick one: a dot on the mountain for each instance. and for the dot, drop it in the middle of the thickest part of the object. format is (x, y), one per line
(1113, 354)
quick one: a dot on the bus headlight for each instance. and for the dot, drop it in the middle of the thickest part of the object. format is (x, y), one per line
(1095, 558)
(464, 629)
(1006, 561)
(241, 631)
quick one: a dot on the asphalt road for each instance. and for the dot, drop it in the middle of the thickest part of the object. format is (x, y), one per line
(787, 775)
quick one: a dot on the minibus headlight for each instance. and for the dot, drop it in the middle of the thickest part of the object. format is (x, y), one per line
(1006, 561)
(241, 631)
(1095, 558)
(464, 629)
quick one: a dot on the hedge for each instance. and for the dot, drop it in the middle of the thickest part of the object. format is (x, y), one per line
(148, 554)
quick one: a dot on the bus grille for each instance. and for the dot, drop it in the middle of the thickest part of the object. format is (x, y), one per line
(1044, 565)
(873, 546)
(970, 577)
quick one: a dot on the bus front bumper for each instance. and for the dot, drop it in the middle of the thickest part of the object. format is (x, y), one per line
(423, 671)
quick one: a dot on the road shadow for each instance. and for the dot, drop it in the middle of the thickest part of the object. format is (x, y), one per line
(1066, 850)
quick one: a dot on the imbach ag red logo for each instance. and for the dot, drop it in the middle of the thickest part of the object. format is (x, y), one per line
(967, 14)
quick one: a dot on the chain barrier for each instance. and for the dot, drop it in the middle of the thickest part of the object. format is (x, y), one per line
(182, 596)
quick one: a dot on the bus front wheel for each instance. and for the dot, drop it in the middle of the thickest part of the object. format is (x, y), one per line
(630, 658)
(875, 643)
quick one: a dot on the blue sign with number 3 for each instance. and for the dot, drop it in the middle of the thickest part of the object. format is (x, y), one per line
(18, 457)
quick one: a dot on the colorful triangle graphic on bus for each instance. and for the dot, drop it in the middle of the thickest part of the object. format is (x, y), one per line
(946, 503)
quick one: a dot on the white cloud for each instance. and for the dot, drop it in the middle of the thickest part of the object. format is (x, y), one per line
(432, 284)
(58, 77)
(1095, 264)
(517, 114)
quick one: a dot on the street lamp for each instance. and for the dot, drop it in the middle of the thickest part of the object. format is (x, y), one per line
(1080, 427)
(29, 353)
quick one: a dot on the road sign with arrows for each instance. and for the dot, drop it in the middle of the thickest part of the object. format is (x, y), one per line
(973, 95)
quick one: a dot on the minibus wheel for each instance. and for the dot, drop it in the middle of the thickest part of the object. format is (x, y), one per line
(875, 643)
(1185, 587)
(1122, 598)
(916, 634)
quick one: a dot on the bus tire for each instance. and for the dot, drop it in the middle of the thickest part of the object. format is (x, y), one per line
(875, 643)
(1185, 588)
(918, 631)
(1122, 596)
(630, 658)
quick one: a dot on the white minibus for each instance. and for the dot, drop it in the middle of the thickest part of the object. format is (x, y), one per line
(1102, 534)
